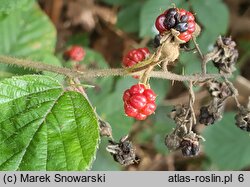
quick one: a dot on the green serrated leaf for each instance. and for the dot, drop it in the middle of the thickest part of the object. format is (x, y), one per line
(226, 145)
(43, 127)
(128, 18)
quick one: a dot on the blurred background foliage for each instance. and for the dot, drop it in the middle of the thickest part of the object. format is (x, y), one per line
(42, 30)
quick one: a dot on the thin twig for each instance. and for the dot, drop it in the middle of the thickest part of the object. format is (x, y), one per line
(234, 91)
(203, 62)
(145, 76)
(197, 47)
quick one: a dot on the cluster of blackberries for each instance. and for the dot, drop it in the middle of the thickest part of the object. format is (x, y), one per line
(206, 116)
(182, 137)
(123, 151)
(224, 55)
(219, 91)
(178, 19)
(243, 119)
(188, 144)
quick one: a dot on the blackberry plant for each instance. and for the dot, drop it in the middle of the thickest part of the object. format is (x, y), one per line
(50, 124)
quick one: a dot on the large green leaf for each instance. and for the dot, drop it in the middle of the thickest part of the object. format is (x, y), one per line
(37, 36)
(163, 125)
(226, 145)
(44, 127)
(213, 15)
(128, 18)
(26, 34)
(160, 87)
(9, 5)
(9, 30)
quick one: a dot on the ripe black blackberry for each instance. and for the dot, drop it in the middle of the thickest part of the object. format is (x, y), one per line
(224, 55)
(243, 119)
(123, 151)
(205, 116)
(190, 147)
(180, 20)
(171, 20)
(157, 41)
(175, 20)
(172, 141)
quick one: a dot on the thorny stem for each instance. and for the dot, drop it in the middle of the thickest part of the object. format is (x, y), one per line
(191, 103)
(234, 91)
(39, 66)
(145, 76)
(203, 62)
(153, 60)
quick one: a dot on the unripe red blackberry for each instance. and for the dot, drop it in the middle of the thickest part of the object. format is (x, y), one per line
(75, 53)
(135, 56)
(139, 102)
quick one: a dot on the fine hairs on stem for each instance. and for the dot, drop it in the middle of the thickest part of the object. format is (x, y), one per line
(91, 73)
(191, 103)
